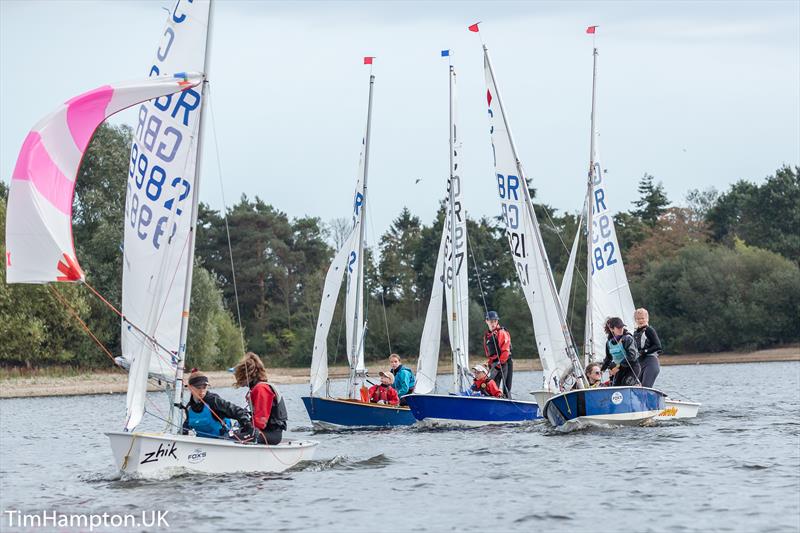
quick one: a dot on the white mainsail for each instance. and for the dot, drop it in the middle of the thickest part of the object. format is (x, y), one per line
(348, 260)
(354, 317)
(608, 293)
(158, 246)
(450, 278)
(553, 339)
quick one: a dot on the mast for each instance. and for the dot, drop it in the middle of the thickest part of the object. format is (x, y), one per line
(456, 347)
(577, 370)
(358, 342)
(589, 334)
(174, 412)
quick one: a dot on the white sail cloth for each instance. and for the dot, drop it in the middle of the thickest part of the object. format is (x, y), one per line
(450, 279)
(354, 303)
(611, 295)
(525, 242)
(569, 271)
(330, 294)
(158, 210)
(39, 247)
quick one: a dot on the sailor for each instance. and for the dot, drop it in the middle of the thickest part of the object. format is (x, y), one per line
(649, 346)
(594, 376)
(208, 414)
(384, 393)
(497, 344)
(269, 409)
(621, 354)
(404, 381)
(482, 385)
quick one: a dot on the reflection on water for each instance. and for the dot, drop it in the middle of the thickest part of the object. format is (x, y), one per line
(736, 467)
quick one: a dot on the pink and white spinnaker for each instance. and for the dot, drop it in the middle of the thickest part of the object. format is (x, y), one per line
(39, 247)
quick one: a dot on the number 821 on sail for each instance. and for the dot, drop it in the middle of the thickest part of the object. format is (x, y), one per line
(510, 202)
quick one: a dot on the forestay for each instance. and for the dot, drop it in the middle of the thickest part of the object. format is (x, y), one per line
(566, 281)
(39, 246)
(158, 210)
(525, 242)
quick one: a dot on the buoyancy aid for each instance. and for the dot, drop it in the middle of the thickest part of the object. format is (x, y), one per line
(383, 392)
(205, 423)
(493, 346)
(617, 350)
(278, 416)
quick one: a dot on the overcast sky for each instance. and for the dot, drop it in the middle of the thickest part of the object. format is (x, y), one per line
(698, 94)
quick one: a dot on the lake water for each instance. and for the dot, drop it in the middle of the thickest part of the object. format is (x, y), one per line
(734, 468)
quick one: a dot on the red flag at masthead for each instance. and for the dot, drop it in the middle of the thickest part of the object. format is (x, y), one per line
(591, 29)
(368, 60)
(474, 27)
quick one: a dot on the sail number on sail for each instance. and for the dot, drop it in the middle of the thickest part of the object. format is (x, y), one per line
(156, 186)
(603, 248)
(508, 187)
(459, 248)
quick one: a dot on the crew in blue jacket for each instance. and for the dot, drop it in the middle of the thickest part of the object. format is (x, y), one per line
(208, 414)
(622, 357)
(404, 381)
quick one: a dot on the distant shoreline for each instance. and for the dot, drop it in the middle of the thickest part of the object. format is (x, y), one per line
(117, 381)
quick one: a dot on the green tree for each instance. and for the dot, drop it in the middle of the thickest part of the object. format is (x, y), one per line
(652, 202)
(767, 215)
(713, 298)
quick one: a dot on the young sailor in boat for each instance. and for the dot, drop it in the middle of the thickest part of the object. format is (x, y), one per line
(497, 344)
(594, 376)
(208, 414)
(621, 354)
(649, 346)
(269, 409)
(482, 385)
(384, 393)
(403, 377)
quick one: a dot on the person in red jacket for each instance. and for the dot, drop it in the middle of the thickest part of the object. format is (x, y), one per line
(483, 385)
(384, 393)
(497, 344)
(269, 409)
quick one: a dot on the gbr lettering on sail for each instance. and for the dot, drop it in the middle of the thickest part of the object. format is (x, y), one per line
(604, 250)
(158, 168)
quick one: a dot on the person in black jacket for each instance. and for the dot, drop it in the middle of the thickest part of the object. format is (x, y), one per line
(621, 354)
(649, 346)
(208, 414)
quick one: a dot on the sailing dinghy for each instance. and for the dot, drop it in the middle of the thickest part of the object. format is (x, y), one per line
(459, 407)
(160, 216)
(608, 294)
(562, 371)
(352, 410)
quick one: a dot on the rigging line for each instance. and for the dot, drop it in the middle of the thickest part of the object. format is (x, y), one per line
(134, 326)
(75, 315)
(383, 302)
(558, 232)
(477, 273)
(225, 218)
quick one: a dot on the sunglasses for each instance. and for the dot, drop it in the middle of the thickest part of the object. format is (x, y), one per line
(597, 372)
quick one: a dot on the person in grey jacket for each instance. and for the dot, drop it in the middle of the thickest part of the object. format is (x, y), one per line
(649, 346)
(621, 354)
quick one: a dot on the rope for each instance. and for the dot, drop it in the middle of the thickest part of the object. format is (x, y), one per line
(477, 273)
(74, 313)
(134, 326)
(225, 218)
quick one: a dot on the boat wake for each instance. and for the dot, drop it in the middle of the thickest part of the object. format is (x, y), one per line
(340, 462)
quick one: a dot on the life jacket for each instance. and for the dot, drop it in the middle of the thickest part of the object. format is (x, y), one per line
(204, 423)
(278, 415)
(412, 382)
(492, 346)
(380, 393)
(617, 350)
(482, 387)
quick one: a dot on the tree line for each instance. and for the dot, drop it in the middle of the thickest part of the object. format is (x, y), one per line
(718, 271)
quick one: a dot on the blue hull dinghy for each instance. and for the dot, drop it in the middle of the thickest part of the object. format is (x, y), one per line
(604, 406)
(336, 413)
(454, 410)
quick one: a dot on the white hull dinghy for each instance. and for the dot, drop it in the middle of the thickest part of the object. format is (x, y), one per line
(674, 409)
(151, 453)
